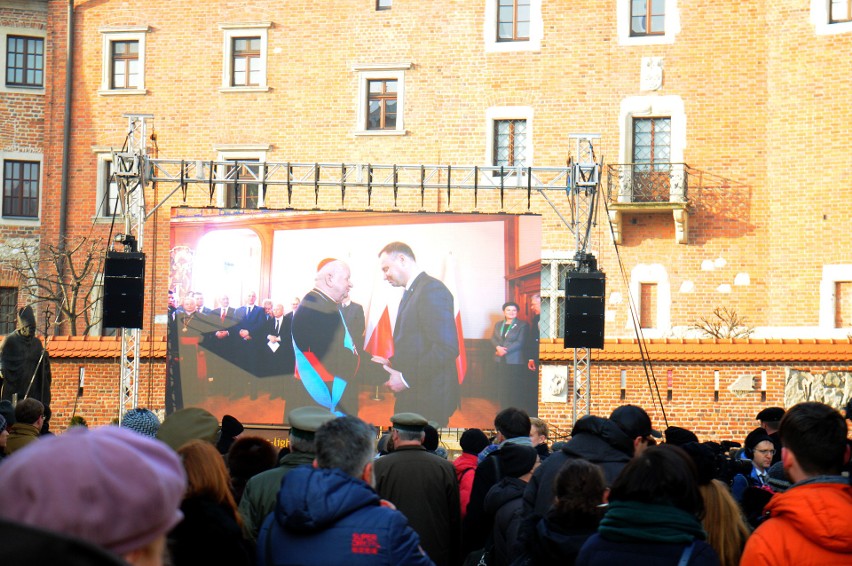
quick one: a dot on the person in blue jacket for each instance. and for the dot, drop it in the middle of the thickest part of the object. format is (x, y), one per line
(330, 514)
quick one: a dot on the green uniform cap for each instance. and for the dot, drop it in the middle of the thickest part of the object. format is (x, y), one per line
(309, 419)
(411, 422)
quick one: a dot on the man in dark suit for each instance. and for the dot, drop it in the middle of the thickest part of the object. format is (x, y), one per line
(422, 371)
(249, 328)
(222, 342)
(326, 353)
(276, 360)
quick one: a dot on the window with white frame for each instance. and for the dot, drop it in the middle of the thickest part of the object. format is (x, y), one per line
(244, 61)
(123, 60)
(23, 57)
(834, 299)
(22, 179)
(554, 267)
(8, 309)
(509, 136)
(24, 61)
(647, 22)
(381, 98)
(652, 298)
(242, 170)
(653, 139)
(831, 17)
(384, 4)
(107, 204)
(513, 25)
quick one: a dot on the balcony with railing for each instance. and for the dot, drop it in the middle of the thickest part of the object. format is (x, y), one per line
(649, 188)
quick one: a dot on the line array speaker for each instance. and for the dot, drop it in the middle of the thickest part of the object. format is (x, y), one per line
(124, 289)
(584, 309)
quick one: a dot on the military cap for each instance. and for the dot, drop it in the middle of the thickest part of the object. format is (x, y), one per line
(309, 419)
(411, 422)
(189, 424)
(770, 414)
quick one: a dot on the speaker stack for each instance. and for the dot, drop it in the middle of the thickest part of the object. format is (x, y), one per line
(584, 309)
(124, 288)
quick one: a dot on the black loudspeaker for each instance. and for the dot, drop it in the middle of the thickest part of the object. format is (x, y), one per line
(124, 288)
(584, 309)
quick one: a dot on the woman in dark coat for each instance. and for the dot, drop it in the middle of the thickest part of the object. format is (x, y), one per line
(557, 537)
(211, 530)
(654, 515)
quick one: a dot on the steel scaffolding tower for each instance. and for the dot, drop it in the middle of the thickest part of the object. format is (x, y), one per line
(128, 167)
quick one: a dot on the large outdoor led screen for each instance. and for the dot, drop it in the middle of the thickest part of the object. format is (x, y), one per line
(364, 313)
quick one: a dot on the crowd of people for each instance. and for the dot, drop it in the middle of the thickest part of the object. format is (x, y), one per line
(194, 490)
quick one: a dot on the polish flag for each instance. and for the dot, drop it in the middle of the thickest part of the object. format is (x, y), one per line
(451, 281)
(379, 335)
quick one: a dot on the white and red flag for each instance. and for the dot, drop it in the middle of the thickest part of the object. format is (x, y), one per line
(451, 281)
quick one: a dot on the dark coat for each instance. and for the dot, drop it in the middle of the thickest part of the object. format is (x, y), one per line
(261, 491)
(424, 488)
(543, 541)
(503, 505)
(24, 362)
(24, 545)
(514, 340)
(595, 439)
(426, 346)
(325, 517)
(599, 551)
(208, 534)
(319, 333)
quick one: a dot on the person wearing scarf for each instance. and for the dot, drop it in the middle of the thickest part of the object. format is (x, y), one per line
(654, 515)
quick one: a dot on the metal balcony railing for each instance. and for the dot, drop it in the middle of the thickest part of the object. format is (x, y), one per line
(648, 182)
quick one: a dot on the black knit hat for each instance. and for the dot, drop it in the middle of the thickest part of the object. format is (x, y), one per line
(516, 459)
(473, 441)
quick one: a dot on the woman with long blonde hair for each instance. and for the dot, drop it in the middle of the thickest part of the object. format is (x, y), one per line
(723, 521)
(211, 531)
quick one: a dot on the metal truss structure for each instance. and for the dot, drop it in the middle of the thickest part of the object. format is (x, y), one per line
(579, 182)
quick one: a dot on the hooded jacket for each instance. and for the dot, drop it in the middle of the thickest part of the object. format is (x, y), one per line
(807, 524)
(502, 509)
(595, 439)
(324, 516)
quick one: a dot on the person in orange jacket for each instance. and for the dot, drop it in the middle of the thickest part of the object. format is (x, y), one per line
(808, 523)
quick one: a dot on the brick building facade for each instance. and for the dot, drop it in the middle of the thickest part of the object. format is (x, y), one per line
(733, 116)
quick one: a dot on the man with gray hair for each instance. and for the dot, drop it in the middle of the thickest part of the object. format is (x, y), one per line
(330, 514)
(325, 351)
(260, 492)
(424, 487)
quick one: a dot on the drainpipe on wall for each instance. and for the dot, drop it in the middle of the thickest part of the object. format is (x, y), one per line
(66, 138)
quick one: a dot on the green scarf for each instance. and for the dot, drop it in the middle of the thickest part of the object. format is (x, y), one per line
(631, 521)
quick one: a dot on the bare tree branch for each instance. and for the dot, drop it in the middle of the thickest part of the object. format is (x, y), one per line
(723, 323)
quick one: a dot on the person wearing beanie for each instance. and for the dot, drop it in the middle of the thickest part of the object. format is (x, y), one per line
(472, 442)
(432, 441)
(231, 429)
(809, 522)
(112, 487)
(679, 436)
(503, 502)
(760, 450)
(142, 421)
